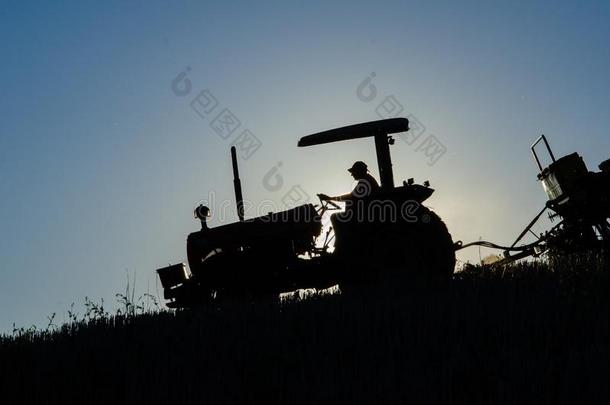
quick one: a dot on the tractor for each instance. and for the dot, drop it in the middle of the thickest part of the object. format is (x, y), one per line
(391, 234)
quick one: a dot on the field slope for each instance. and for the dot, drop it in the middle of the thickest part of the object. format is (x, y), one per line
(523, 334)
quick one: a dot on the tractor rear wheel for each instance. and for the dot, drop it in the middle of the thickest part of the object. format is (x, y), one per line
(424, 247)
(393, 251)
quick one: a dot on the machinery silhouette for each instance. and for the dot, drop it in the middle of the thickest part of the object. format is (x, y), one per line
(579, 201)
(389, 234)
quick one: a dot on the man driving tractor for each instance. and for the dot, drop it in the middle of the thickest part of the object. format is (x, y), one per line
(354, 201)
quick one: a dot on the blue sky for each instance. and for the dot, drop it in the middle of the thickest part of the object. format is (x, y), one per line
(101, 163)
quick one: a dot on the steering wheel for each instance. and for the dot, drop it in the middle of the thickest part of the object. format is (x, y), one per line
(327, 205)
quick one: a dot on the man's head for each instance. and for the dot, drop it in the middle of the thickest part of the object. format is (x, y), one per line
(358, 170)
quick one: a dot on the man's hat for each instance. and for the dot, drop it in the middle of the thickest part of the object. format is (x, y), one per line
(358, 167)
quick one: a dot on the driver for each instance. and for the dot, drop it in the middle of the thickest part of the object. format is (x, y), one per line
(365, 186)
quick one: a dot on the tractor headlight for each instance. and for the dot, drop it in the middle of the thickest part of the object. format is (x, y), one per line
(202, 212)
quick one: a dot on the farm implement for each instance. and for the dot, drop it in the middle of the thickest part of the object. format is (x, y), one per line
(578, 204)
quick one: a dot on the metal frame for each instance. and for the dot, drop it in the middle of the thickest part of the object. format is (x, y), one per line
(533, 148)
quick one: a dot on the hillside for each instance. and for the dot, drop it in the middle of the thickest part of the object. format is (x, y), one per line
(527, 333)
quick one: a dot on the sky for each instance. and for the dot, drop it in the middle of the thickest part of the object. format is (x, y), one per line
(109, 136)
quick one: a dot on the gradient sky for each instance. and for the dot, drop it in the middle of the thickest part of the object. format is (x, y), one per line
(101, 163)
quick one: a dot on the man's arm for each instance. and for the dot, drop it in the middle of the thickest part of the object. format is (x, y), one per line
(343, 197)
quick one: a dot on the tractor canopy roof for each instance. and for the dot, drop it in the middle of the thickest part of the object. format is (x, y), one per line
(367, 129)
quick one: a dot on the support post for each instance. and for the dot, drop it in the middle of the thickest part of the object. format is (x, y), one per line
(384, 160)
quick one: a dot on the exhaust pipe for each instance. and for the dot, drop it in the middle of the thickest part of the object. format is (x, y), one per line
(239, 199)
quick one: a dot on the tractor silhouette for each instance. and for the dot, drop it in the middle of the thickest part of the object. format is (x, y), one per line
(390, 237)
(390, 234)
